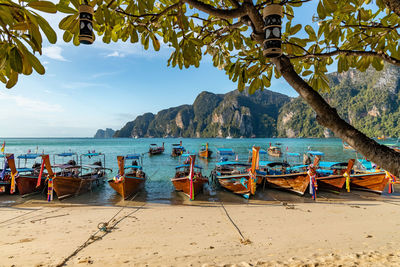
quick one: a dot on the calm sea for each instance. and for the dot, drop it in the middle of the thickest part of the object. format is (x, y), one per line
(161, 168)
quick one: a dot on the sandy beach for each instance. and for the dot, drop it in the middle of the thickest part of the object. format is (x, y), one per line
(328, 232)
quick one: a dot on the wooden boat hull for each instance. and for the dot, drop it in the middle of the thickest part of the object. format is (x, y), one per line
(205, 154)
(238, 184)
(156, 152)
(128, 187)
(71, 186)
(294, 182)
(372, 182)
(27, 184)
(183, 184)
(333, 182)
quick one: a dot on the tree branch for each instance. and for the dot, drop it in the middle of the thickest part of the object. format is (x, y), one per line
(220, 13)
(328, 117)
(381, 55)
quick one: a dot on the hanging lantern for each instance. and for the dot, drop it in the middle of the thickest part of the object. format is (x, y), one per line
(86, 24)
(272, 16)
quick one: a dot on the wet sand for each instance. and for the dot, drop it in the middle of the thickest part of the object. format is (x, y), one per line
(275, 228)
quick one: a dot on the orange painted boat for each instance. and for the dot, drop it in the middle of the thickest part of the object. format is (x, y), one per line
(189, 178)
(336, 180)
(240, 178)
(127, 183)
(205, 152)
(27, 179)
(280, 175)
(71, 183)
(372, 182)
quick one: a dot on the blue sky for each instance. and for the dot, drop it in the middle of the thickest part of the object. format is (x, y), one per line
(106, 85)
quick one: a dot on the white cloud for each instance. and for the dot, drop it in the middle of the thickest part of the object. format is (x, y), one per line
(116, 54)
(54, 52)
(28, 104)
(77, 85)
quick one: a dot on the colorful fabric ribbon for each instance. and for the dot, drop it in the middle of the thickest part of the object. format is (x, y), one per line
(313, 183)
(13, 177)
(50, 189)
(392, 181)
(347, 176)
(40, 174)
(119, 178)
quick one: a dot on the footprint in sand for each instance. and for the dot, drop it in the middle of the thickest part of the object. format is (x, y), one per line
(26, 240)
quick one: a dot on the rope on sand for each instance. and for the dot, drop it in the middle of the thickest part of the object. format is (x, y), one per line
(243, 240)
(102, 227)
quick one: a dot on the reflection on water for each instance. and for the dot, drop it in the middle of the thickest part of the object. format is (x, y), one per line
(161, 168)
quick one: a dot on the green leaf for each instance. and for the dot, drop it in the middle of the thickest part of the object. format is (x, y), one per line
(321, 10)
(156, 43)
(12, 80)
(15, 60)
(44, 6)
(48, 31)
(35, 63)
(67, 36)
(311, 33)
(66, 9)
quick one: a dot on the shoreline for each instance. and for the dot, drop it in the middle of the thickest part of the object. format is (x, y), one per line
(200, 233)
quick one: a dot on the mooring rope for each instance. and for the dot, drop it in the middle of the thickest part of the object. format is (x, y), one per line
(102, 227)
(243, 240)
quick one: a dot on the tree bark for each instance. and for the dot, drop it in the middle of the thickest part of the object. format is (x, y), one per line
(328, 117)
(393, 5)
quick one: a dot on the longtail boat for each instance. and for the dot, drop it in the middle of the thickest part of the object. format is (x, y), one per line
(368, 177)
(131, 178)
(240, 178)
(189, 178)
(156, 150)
(71, 183)
(274, 151)
(335, 177)
(279, 175)
(205, 152)
(29, 180)
(177, 150)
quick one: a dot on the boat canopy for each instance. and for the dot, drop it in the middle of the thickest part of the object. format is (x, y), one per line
(66, 166)
(133, 167)
(179, 147)
(224, 163)
(187, 155)
(91, 154)
(66, 154)
(315, 153)
(20, 170)
(28, 156)
(297, 167)
(226, 151)
(261, 151)
(153, 144)
(187, 165)
(293, 154)
(368, 165)
(279, 164)
(92, 166)
(264, 163)
(328, 164)
(132, 156)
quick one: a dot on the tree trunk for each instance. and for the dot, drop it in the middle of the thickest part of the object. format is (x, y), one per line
(393, 5)
(327, 116)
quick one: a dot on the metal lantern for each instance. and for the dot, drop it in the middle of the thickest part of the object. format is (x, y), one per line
(86, 24)
(272, 16)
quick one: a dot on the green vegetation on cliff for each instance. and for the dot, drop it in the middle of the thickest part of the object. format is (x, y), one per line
(369, 100)
(211, 115)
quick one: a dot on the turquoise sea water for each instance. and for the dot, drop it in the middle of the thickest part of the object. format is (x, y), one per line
(161, 168)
